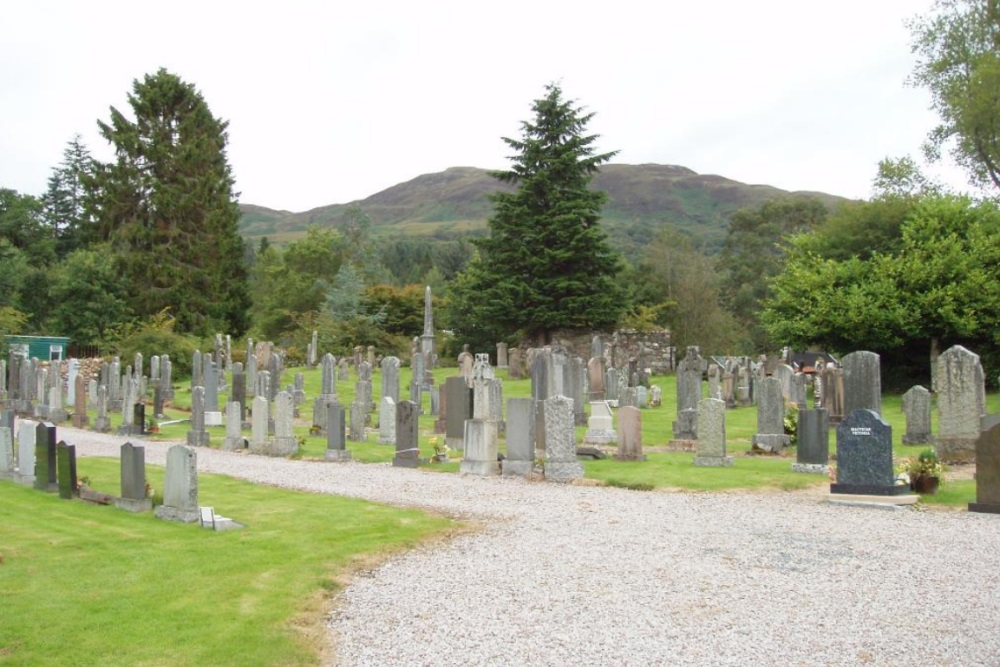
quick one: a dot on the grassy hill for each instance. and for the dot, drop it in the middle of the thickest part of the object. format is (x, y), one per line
(641, 199)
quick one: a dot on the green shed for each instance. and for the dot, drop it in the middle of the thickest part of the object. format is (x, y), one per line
(45, 348)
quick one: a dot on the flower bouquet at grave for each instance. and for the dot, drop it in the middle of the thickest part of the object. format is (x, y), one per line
(440, 450)
(903, 473)
(926, 471)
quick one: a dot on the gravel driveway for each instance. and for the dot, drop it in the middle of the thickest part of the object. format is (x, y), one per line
(585, 575)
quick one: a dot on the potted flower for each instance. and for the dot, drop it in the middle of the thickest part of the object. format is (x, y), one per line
(440, 450)
(926, 472)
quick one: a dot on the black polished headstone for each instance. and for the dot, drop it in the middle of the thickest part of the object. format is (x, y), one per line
(813, 446)
(864, 457)
(66, 455)
(139, 419)
(407, 432)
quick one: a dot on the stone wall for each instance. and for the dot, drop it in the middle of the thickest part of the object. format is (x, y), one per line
(651, 348)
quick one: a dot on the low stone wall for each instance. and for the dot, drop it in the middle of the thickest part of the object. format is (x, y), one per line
(651, 348)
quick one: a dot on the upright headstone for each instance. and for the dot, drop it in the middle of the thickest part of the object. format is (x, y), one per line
(864, 457)
(180, 486)
(480, 451)
(561, 464)
(7, 461)
(80, 418)
(630, 435)
(785, 374)
(198, 436)
(862, 382)
(359, 416)
(917, 410)
(45, 457)
(251, 376)
(600, 425)
(66, 462)
(133, 480)
(714, 381)
(390, 378)
(812, 454)
(26, 436)
(515, 360)
(987, 472)
(459, 401)
(213, 416)
(387, 421)
(595, 378)
(239, 390)
(520, 437)
(166, 377)
(72, 373)
(407, 450)
(285, 442)
(689, 373)
(712, 434)
(233, 441)
(336, 427)
(502, 361)
(961, 404)
(259, 425)
(770, 436)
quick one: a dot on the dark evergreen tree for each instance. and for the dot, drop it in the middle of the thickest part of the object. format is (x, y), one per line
(167, 207)
(546, 264)
(63, 204)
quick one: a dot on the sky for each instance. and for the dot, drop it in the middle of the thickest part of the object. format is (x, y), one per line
(330, 102)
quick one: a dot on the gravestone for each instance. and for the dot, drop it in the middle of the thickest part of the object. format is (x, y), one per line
(343, 370)
(66, 462)
(180, 486)
(770, 436)
(336, 431)
(166, 377)
(712, 434)
(812, 453)
(359, 415)
(611, 385)
(459, 400)
(233, 441)
(515, 369)
(862, 382)
(284, 443)
(139, 418)
(390, 378)
(26, 436)
(520, 437)
(41, 391)
(238, 394)
(689, 373)
(251, 376)
(987, 472)
(299, 392)
(961, 404)
(133, 480)
(407, 451)
(7, 461)
(595, 378)
(655, 396)
(630, 435)
(57, 413)
(600, 426)
(832, 393)
(917, 410)
(387, 421)
(198, 436)
(561, 464)
(480, 451)
(864, 457)
(575, 385)
(45, 457)
(502, 360)
(72, 373)
(80, 418)
(714, 381)
(785, 374)
(259, 418)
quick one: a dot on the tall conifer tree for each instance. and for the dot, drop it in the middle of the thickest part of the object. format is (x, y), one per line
(546, 264)
(167, 207)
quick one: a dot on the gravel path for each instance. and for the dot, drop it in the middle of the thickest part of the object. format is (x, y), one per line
(577, 575)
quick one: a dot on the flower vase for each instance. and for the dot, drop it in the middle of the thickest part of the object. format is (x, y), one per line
(926, 484)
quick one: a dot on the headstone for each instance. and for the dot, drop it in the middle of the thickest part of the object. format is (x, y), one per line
(459, 401)
(80, 418)
(630, 435)
(712, 434)
(387, 421)
(480, 450)
(785, 374)
(407, 450)
(166, 377)
(154, 368)
(344, 370)
(600, 427)
(864, 457)
(520, 437)
(714, 381)
(357, 431)
(45, 457)
(197, 370)
(595, 378)
(284, 443)
(133, 480)
(515, 369)
(233, 441)
(198, 436)
(139, 418)
(465, 363)
(239, 390)
(812, 454)
(390, 378)
(862, 382)
(560, 441)
(299, 392)
(313, 349)
(328, 376)
(961, 404)
(502, 361)
(987, 472)
(576, 388)
(770, 436)
(689, 372)
(655, 396)
(251, 376)
(336, 430)
(26, 437)
(7, 461)
(611, 385)
(259, 425)
(72, 372)
(180, 486)
(66, 462)
(917, 410)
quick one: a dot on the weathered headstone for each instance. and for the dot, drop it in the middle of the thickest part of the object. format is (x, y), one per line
(862, 382)
(239, 390)
(45, 457)
(180, 486)
(712, 434)
(770, 436)
(917, 410)
(80, 418)
(259, 425)
(689, 373)
(961, 404)
(520, 437)
(812, 454)
(133, 480)
(561, 464)
(502, 360)
(387, 421)
(390, 378)
(234, 440)
(198, 436)
(987, 472)
(595, 378)
(459, 401)
(515, 369)
(785, 375)
(864, 457)
(284, 443)
(357, 431)
(407, 450)
(600, 426)
(336, 430)
(480, 451)
(630, 435)
(26, 436)
(66, 462)
(7, 461)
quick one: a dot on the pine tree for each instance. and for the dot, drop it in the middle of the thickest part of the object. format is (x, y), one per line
(63, 204)
(167, 206)
(546, 264)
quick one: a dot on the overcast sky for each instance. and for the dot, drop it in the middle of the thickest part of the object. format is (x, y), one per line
(329, 102)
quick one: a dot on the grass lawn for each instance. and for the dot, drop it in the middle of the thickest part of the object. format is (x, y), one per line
(90, 585)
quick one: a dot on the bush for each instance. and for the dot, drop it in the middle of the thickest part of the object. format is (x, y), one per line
(152, 340)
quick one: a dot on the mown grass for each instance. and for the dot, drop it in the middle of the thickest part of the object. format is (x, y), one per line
(88, 585)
